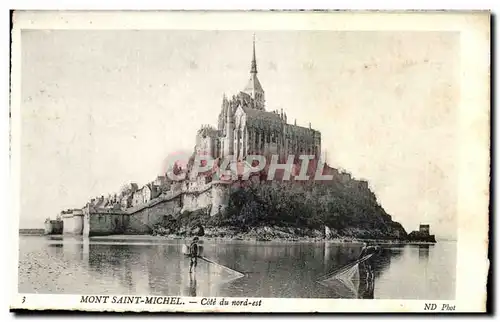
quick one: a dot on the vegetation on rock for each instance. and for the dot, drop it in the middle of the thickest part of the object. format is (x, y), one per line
(289, 209)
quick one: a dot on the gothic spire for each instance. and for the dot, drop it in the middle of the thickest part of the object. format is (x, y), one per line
(253, 70)
(254, 88)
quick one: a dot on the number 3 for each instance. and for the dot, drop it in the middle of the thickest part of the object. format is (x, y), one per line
(24, 299)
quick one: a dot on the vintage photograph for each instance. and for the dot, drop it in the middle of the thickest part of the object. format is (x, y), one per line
(203, 164)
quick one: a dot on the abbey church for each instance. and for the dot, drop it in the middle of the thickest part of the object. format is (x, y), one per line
(245, 127)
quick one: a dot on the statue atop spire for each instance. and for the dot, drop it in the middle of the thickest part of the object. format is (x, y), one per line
(253, 70)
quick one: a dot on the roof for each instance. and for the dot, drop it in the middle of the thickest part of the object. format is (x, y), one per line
(253, 83)
(261, 115)
(302, 131)
(260, 119)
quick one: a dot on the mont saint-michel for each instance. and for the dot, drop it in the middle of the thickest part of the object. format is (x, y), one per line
(255, 174)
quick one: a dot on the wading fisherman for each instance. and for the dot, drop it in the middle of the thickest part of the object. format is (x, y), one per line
(367, 249)
(193, 253)
(367, 284)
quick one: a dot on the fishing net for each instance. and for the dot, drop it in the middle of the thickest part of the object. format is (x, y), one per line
(350, 278)
(349, 274)
(346, 279)
(231, 273)
(212, 265)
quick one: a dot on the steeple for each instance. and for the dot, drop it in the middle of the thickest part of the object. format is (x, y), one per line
(253, 70)
(253, 88)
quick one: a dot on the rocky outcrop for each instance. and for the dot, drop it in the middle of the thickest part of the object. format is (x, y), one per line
(345, 205)
(341, 209)
(417, 236)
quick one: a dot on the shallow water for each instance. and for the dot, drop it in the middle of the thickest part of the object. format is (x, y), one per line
(292, 270)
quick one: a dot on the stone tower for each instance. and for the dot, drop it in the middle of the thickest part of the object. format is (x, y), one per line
(253, 88)
(229, 139)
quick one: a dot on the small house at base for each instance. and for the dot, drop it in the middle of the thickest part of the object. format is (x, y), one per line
(424, 230)
(422, 234)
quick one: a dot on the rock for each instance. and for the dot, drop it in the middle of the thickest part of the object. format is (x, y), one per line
(328, 233)
(198, 231)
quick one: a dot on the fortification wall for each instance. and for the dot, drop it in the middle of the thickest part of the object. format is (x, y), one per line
(86, 221)
(143, 220)
(192, 201)
(220, 197)
(53, 227)
(107, 223)
(73, 224)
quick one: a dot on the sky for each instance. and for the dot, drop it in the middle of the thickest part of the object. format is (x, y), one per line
(103, 108)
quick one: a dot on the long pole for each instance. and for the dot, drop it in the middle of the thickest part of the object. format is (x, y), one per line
(344, 268)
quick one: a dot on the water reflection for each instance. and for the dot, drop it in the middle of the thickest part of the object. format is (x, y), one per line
(383, 260)
(270, 269)
(192, 285)
(423, 252)
(367, 281)
(85, 250)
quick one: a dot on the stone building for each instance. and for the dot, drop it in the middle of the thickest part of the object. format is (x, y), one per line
(138, 197)
(162, 183)
(246, 127)
(424, 229)
(207, 141)
(422, 234)
(126, 201)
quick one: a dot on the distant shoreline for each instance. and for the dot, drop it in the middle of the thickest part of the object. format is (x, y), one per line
(31, 231)
(36, 232)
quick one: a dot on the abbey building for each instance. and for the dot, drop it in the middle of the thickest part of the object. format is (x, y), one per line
(246, 127)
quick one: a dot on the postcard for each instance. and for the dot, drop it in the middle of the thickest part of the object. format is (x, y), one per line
(250, 161)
